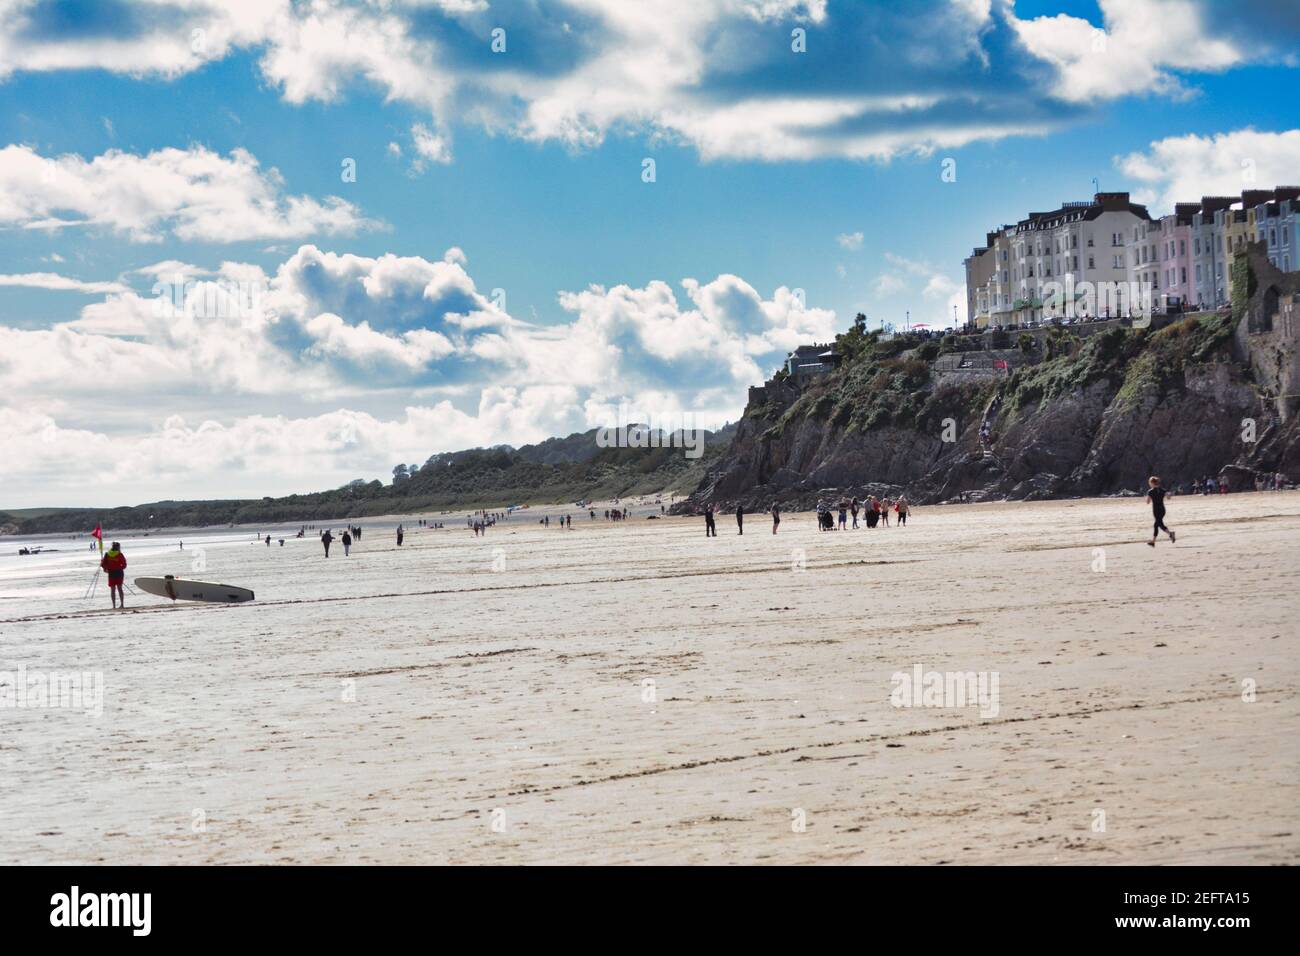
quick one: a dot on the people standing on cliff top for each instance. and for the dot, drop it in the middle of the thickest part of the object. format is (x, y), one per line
(710, 528)
(776, 516)
(1156, 497)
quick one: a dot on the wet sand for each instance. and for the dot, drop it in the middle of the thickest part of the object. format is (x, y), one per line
(637, 693)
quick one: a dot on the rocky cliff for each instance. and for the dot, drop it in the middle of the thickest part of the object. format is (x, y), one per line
(1088, 416)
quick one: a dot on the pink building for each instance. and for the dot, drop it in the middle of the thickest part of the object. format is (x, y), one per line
(1174, 278)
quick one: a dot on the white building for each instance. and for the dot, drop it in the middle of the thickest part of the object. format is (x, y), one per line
(1080, 246)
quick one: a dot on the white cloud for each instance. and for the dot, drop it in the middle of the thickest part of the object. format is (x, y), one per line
(164, 38)
(1142, 47)
(1185, 168)
(50, 280)
(887, 283)
(717, 74)
(850, 240)
(400, 346)
(193, 194)
(429, 146)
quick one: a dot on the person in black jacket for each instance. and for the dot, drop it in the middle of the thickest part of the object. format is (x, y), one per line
(740, 519)
(1156, 497)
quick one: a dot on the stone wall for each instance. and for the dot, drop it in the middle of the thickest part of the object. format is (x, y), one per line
(1266, 305)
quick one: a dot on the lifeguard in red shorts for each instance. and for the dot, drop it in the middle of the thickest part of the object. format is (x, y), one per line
(114, 563)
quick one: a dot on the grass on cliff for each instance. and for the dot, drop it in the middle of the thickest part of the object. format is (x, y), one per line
(1134, 361)
(879, 385)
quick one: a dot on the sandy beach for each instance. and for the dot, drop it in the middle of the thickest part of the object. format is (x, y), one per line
(637, 693)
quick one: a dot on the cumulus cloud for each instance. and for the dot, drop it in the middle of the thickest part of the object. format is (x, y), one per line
(850, 240)
(1141, 48)
(725, 76)
(192, 194)
(1185, 168)
(333, 337)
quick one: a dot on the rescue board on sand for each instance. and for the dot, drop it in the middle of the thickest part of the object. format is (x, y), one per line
(178, 589)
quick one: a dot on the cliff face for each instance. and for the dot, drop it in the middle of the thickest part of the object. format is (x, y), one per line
(1098, 417)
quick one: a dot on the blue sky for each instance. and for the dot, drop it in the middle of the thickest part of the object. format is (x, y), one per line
(129, 139)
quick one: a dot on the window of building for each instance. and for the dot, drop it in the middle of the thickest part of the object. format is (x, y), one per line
(1092, 263)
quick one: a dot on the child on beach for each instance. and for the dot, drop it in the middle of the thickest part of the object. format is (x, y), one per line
(1156, 496)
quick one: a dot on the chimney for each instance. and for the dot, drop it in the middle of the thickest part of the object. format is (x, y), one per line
(1212, 204)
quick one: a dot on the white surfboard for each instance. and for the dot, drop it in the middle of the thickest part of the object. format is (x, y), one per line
(178, 589)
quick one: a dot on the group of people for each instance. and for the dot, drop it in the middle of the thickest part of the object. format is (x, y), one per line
(350, 535)
(875, 511)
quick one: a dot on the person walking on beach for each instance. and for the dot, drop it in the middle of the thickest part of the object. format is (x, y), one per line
(327, 539)
(400, 533)
(740, 518)
(710, 527)
(347, 543)
(844, 514)
(901, 507)
(114, 564)
(1156, 496)
(854, 505)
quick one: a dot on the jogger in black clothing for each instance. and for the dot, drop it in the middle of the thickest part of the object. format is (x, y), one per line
(1156, 495)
